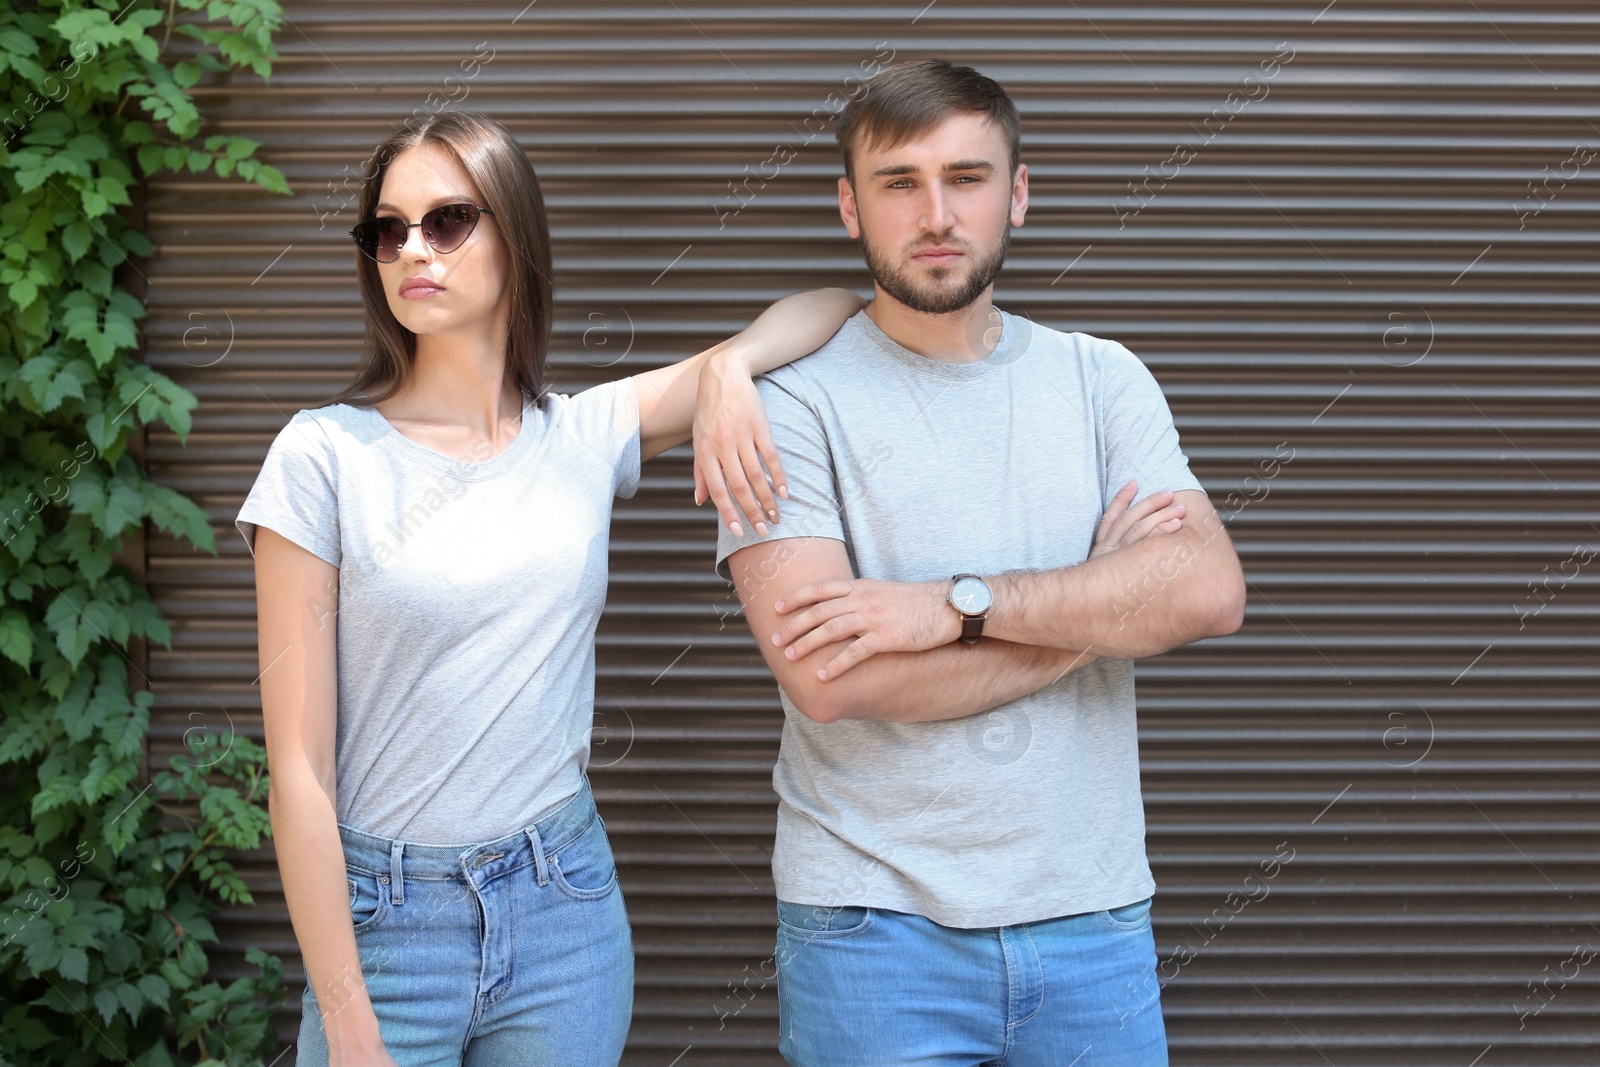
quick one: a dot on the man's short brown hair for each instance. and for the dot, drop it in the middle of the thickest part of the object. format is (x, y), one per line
(907, 100)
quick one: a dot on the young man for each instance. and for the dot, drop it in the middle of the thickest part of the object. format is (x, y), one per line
(959, 888)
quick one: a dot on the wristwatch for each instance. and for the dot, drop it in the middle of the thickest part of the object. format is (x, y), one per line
(971, 597)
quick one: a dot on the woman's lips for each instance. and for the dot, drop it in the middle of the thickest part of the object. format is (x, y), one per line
(417, 288)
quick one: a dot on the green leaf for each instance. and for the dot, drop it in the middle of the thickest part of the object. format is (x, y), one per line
(74, 635)
(105, 1002)
(151, 158)
(68, 382)
(23, 292)
(131, 999)
(155, 989)
(76, 239)
(37, 374)
(74, 964)
(124, 508)
(94, 205)
(27, 1031)
(90, 146)
(114, 188)
(272, 180)
(17, 43)
(16, 637)
(179, 516)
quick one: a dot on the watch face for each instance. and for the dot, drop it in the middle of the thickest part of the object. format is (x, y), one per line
(971, 596)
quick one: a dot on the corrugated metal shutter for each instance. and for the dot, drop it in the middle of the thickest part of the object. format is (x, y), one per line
(1368, 288)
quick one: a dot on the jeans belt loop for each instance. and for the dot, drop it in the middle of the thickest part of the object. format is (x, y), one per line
(539, 865)
(397, 892)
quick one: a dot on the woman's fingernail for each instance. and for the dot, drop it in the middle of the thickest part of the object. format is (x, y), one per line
(772, 513)
(783, 491)
(761, 528)
(738, 531)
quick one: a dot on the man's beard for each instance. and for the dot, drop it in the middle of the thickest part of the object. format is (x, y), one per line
(898, 282)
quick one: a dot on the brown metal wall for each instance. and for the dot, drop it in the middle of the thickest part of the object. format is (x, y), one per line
(1372, 811)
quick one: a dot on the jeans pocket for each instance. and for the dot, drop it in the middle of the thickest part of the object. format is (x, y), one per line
(822, 922)
(1134, 916)
(584, 868)
(369, 903)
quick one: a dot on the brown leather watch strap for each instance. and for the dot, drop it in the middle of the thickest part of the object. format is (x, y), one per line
(971, 625)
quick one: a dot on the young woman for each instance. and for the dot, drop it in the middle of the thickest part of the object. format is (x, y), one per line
(430, 566)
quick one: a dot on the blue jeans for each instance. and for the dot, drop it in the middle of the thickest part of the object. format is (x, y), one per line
(867, 987)
(510, 951)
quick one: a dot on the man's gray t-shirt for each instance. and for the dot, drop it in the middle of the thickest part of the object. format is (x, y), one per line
(468, 597)
(925, 469)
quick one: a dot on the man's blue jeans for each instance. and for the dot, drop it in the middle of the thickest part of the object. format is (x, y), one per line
(507, 952)
(866, 987)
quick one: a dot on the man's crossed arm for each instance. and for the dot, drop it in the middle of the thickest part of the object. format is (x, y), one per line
(898, 636)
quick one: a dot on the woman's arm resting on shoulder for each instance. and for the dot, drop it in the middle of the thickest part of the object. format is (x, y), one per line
(297, 606)
(712, 396)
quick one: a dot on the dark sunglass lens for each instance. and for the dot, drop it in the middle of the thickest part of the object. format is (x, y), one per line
(389, 238)
(366, 238)
(448, 226)
(381, 239)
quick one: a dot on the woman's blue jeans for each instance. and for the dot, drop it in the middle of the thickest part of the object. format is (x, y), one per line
(510, 951)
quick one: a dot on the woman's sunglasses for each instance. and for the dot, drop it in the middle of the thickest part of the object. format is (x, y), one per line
(444, 228)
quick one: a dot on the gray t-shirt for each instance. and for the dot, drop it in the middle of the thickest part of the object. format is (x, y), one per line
(925, 469)
(467, 602)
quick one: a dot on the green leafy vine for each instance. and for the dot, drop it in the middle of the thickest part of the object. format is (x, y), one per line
(109, 866)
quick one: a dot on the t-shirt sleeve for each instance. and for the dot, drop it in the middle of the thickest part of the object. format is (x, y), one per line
(606, 418)
(812, 509)
(1141, 441)
(296, 494)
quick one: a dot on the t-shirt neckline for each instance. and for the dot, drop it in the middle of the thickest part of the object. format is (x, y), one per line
(466, 470)
(939, 368)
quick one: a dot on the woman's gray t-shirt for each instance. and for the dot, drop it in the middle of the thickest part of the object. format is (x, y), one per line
(466, 607)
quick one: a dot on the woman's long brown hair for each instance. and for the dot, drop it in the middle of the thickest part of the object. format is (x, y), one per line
(510, 189)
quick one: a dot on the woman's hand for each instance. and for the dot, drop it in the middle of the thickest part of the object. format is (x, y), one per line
(371, 1054)
(711, 400)
(356, 1046)
(731, 438)
(350, 1027)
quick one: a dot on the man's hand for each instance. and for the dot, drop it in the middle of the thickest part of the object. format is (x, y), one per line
(1121, 525)
(881, 616)
(913, 616)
